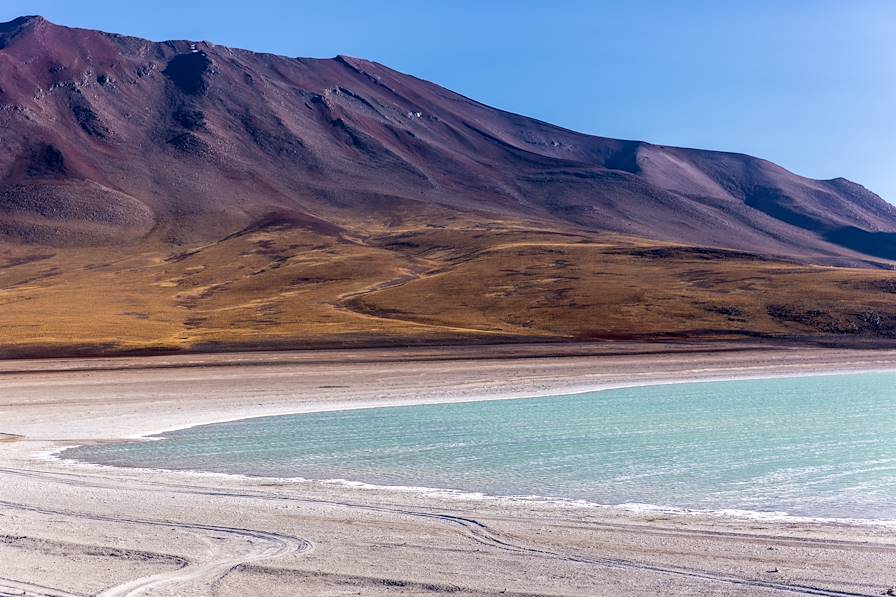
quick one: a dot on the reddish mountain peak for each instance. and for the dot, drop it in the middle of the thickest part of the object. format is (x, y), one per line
(22, 21)
(17, 27)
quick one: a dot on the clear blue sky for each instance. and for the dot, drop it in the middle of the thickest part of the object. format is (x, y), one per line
(808, 84)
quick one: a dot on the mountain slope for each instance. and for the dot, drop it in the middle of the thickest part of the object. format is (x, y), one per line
(209, 139)
(185, 194)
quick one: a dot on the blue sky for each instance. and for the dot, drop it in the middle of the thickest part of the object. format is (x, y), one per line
(807, 84)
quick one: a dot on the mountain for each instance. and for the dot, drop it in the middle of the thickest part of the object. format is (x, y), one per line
(193, 186)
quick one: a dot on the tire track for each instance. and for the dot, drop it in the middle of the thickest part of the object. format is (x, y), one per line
(16, 588)
(94, 481)
(208, 572)
(485, 535)
(263, 546)
(475, 530)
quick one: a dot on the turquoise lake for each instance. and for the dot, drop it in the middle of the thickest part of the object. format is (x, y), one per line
(812, 446)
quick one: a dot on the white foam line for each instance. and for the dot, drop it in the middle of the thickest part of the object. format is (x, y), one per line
(527, 500)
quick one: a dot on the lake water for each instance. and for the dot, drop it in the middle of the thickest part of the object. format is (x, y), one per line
(813, 446)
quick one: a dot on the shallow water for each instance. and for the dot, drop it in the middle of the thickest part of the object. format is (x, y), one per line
(814, 446)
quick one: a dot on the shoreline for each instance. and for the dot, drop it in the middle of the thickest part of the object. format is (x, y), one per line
(359, 534)
(510, 347)
(146, 435)
(460, 495)
(56, 456)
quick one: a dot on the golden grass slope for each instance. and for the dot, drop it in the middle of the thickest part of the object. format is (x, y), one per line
(293, 287)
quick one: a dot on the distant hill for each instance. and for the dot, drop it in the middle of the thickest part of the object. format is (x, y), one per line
(176, 194)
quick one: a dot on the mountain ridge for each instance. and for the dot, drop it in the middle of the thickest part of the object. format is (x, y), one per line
(182, 194)
(377, 121)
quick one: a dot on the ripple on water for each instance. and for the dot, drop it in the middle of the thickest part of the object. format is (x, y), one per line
(810, 446)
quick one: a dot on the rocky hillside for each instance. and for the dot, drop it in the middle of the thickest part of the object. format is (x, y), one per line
(182, 195)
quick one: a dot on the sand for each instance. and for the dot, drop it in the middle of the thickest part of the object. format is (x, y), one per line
(74, 529)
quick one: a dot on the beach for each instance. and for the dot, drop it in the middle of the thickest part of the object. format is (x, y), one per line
(77, 529)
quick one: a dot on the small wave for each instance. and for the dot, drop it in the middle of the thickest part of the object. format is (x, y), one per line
(460, 495)
(634, 507)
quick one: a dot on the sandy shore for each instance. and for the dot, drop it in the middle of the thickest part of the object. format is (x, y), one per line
(78, 530)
